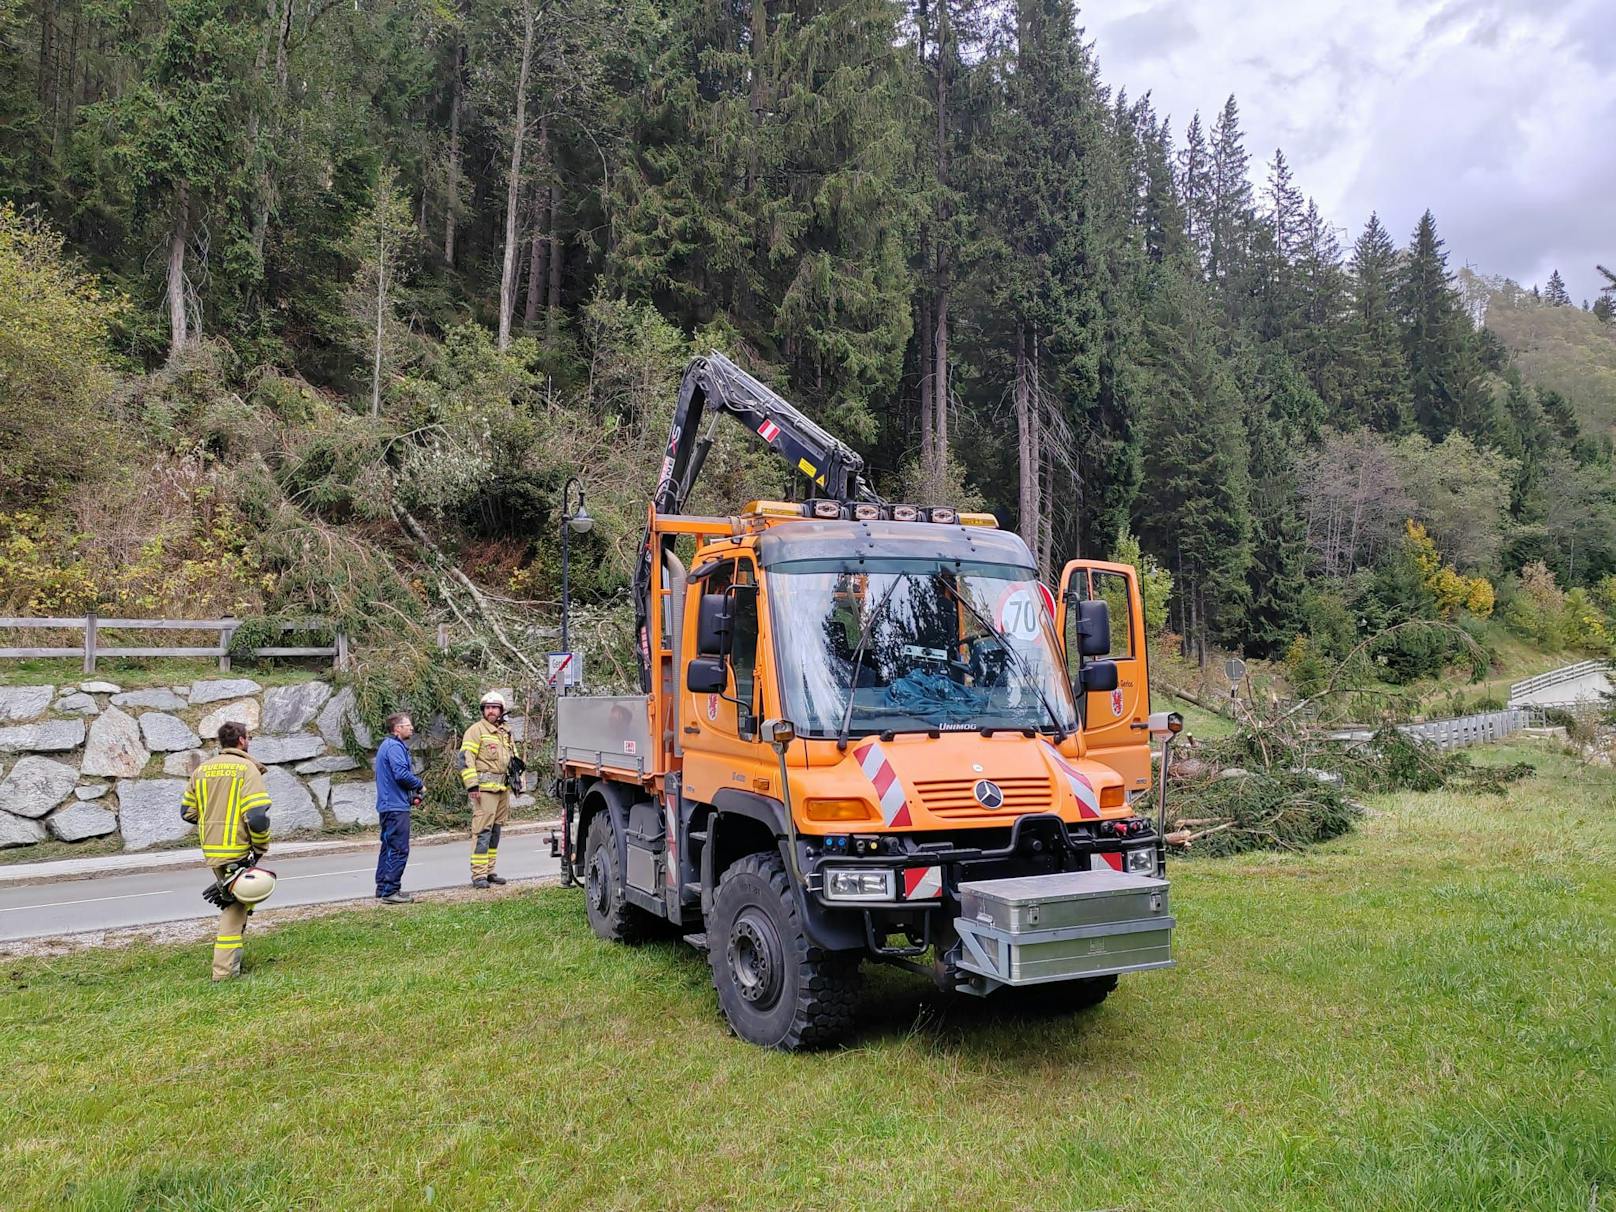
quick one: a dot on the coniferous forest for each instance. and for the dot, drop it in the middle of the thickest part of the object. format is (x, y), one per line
(293, 287)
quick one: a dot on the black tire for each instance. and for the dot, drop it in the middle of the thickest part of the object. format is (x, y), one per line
(775, 987)
(610, 916)
(1062, 997)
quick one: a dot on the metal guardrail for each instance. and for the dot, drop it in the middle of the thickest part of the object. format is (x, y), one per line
(1557, 677)
(92, 649)
(1480, 729)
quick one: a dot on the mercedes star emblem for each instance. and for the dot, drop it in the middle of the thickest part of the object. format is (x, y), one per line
(988, 794)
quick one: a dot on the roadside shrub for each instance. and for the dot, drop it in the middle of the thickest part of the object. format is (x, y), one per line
(55, 364)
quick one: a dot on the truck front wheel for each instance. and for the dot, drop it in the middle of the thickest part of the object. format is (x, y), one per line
(775, 987)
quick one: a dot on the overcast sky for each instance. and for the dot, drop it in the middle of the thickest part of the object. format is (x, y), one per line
(1499, 115)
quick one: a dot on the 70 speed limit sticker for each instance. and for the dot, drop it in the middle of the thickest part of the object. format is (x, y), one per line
(1020, 611)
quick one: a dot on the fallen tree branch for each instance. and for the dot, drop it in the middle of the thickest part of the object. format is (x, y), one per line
(417, 532)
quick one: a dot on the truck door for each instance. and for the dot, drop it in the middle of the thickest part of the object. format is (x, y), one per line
(721, 728)
(1113, 721)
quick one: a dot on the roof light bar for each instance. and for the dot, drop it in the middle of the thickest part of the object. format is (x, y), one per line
(905, 513)
(979, 519)
(941, 514)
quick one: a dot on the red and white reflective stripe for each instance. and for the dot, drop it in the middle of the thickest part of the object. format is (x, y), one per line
(1088, 800)
(1105, 862)
(888, 790)
(768, 431)
(922, 883)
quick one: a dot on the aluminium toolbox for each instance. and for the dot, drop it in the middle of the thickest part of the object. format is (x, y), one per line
(1031, 929)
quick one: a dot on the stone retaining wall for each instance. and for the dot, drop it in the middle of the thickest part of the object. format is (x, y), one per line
(90, 759)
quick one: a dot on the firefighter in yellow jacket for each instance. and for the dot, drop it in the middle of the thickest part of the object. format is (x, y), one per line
(485, 756)
(227, 801)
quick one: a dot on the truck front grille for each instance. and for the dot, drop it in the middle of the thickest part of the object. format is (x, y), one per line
(956, 798)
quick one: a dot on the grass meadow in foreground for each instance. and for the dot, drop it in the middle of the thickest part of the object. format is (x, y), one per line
(1419, 1015)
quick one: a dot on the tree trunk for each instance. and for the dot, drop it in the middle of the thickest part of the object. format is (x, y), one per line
(1026, 445)
(381, 315)
(47, 29)
(280, 16)
(179, 236)
(939, 381)
(552, 316)
(939, 332)
(1036, 410)
(513, 191)
(1046, 520)
(452, 201)
(538, 243)
(927, 411)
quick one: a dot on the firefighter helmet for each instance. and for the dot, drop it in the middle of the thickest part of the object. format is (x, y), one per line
(251, 885)
(495, 699)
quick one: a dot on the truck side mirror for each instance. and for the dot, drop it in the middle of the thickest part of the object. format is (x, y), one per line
(1099, 675)
(714, 625)
(707, 675)
(1093, 629)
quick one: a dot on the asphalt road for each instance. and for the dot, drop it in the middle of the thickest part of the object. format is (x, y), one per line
(173, 894)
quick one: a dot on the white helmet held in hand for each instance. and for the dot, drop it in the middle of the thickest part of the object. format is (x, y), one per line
(251, 885)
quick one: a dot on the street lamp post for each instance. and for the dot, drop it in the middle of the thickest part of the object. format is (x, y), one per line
(570, 521)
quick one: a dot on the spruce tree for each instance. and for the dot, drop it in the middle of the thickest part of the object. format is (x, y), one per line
(1277, 576)
(771, 191)
(1195, 188)
(1043, 178)
(1230, 218)
(1555, 293)
(1377, 394)
(1321, 340)
(1196, 514)
(1435, 332)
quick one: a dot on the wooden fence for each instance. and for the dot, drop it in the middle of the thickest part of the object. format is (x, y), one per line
(92, 648)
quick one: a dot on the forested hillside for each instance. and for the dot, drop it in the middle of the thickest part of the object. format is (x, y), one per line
(1557, 345)
(303, 302)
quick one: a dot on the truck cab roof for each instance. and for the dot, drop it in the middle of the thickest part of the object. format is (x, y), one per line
(815, 539)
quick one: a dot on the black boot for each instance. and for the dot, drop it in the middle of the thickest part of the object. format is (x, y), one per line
(479, 882)
(497, 879)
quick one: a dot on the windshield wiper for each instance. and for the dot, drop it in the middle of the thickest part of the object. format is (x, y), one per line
(858, 658)
(1004, 643)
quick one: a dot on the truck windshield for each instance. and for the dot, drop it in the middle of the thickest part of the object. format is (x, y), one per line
(923, 659)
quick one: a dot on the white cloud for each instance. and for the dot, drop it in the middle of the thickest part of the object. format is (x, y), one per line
(1499, 115)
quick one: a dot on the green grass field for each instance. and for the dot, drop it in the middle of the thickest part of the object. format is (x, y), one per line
(1419, 1015)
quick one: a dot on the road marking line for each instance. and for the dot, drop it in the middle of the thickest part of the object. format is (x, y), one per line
(89, 900)
(320, 875)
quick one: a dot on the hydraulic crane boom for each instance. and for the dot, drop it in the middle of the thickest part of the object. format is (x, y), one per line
(715, 383)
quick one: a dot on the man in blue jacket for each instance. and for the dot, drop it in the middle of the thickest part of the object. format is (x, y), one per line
(398, 789)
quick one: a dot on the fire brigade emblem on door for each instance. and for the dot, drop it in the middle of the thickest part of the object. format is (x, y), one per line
(712, 707)
(988, 794)
(1116, 703)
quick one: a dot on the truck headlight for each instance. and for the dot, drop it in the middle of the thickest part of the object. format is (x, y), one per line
(1142, 861)
(859, 884)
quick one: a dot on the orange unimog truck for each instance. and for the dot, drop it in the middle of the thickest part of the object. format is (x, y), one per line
(866, 732)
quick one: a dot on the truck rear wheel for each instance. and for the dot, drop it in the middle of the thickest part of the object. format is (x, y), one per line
(775, 987)
(610, 916)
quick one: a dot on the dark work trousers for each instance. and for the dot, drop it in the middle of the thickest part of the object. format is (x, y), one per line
(394, 854)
